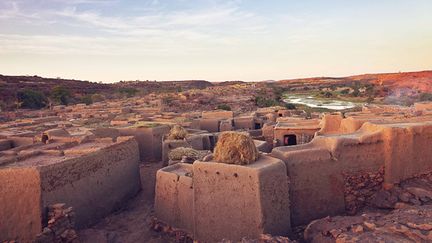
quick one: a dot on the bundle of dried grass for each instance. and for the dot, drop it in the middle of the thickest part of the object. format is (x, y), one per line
(178, 153)
(235, 148)
(177, 133)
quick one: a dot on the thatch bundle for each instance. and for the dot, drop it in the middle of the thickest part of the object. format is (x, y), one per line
(235, 148)
(177, 133)
(178, 153)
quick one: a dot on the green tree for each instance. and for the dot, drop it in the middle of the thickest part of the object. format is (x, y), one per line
(61, 94)
(31, 99)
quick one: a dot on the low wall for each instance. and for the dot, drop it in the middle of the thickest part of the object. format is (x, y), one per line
(93, 184)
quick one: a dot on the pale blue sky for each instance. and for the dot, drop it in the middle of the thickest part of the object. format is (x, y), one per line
(111, 40)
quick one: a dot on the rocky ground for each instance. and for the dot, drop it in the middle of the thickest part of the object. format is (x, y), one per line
(401, 214)
(411, 224)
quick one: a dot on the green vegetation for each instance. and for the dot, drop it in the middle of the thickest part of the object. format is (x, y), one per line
(128, 92)
(224, 107)
(290, 106)
(97, 98)
(265, 102)
(425, 97)
(31, 99)
(61, 95)
(87, 99)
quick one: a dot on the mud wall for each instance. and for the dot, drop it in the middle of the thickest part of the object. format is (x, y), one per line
(94, 184)
(20, 207)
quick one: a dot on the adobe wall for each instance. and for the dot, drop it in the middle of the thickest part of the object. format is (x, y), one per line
(149, 141)
(408, 151)
(233, 201)
(330, 123)
(341, 171)
(302, 135)
(247, 123)
(94, 184)
(318, 170)
(20, 211)
(174, 196)
(209, 124)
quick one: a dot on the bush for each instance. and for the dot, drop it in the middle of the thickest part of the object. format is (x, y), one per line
(290, 106)
(345, 91)
(328, 94)
(224, 107)
(129, 92)
(425, 97)
(97, 97)
(87, 99)
(265, 102)
(61, 94)
(31, 99)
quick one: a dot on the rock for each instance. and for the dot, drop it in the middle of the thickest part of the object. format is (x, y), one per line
(400, 205)
(357, 229)
(384, 199)
(405, 196)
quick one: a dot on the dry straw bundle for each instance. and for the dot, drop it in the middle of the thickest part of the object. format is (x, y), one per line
(177, 133)
(235, 148)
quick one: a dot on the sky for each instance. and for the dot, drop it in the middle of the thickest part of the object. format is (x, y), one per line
(215, 40)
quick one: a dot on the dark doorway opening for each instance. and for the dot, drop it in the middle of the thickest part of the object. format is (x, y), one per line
(212, 142)
(257, 125)
(290, 140)
(44, 138)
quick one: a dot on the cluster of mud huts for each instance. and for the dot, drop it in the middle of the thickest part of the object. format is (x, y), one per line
(223, 175)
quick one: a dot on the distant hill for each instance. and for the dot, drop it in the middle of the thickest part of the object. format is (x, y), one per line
(386, 83)
(419, 81)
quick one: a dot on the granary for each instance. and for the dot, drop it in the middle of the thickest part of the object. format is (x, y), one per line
(248, 190)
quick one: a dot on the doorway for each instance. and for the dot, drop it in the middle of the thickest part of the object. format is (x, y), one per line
(290, 140)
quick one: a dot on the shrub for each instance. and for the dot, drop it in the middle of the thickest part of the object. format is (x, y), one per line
(328, 94)
(224, 107)
(425, 97)
(128, 92)
(345, 91)
(290, 106)
(31, 99)
(87, 99)
(61, 95)
(265, 102)
(97, 97)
